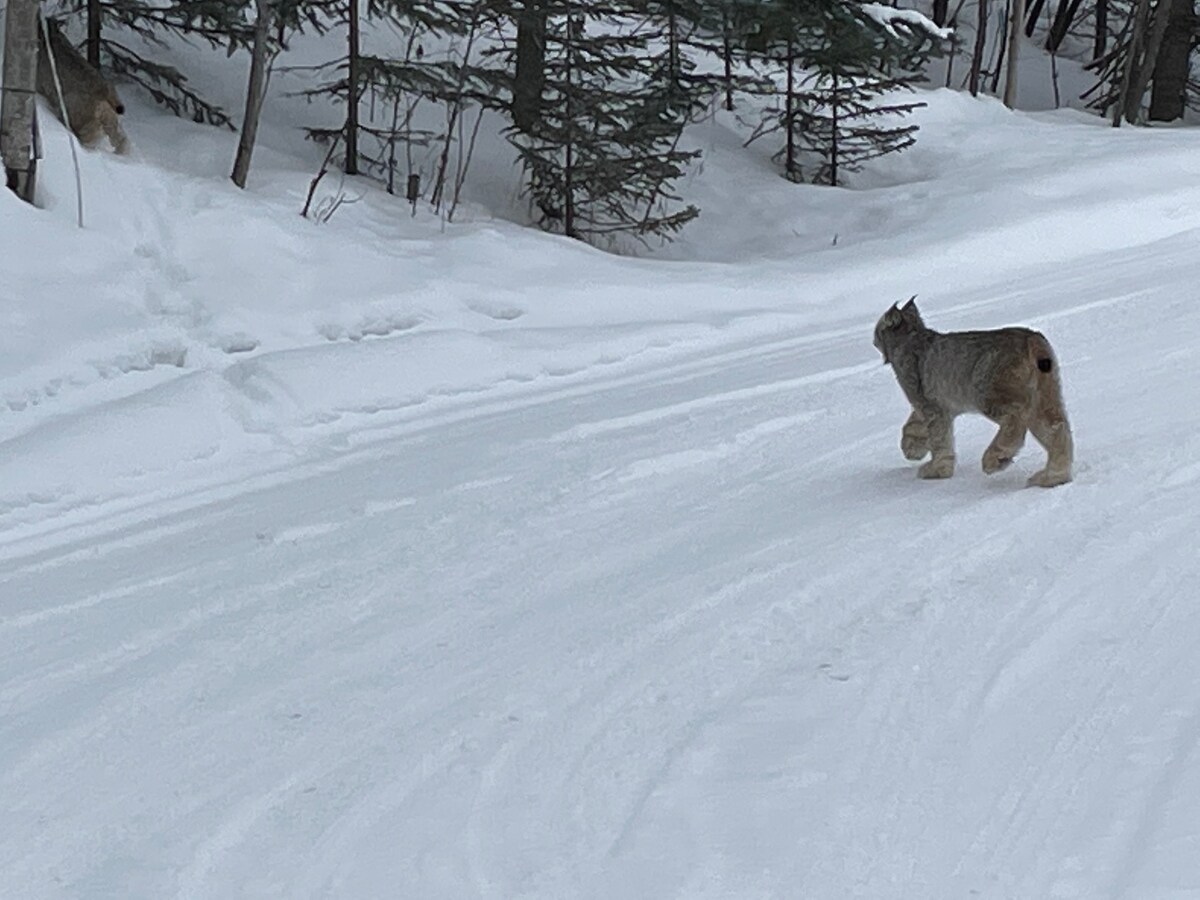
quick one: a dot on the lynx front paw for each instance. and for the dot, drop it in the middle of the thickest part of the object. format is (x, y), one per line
(995, 461)
(937, 468)
(1048, 479)
(914, 447)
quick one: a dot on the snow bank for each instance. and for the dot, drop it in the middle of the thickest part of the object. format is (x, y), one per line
(233, 328)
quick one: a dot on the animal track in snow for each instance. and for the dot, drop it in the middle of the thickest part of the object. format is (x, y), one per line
(502, 312)
(144, 360)
(239, 342)
(369, 326)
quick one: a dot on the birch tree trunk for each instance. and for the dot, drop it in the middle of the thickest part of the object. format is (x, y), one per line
(1015, 22)
(17, 97)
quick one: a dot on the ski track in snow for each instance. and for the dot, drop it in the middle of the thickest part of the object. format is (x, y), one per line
(493, 581)
(694, 630)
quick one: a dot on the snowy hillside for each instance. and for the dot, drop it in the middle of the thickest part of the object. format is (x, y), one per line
(384, 558)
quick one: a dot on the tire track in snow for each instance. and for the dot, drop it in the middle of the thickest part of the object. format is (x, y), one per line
(536, 656)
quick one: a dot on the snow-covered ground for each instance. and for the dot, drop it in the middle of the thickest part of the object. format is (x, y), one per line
(382, 559)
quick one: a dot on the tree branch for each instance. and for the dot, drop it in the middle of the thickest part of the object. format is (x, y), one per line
(900, 23)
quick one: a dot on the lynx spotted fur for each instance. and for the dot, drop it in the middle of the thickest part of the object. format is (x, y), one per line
(1009, 375)
(92, 103)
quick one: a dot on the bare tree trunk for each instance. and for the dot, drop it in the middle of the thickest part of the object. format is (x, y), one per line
(1016, 19)
(1141, 16)
(1035, 10)
(1002, 29)
(1140, 59)
(790, 167)
(1064, 15)
(980, 46)
(455, 109)
(1101, 41)
(94, 18)
(727, 55)
(1054, 79)
(530, 74)
(352, 77)
(673, 43)
(255, 92)
(17, 97)
(951, 58)
(1149, 60)
(1169, 89)
(569, 149)
(941, 10)
(833, 136)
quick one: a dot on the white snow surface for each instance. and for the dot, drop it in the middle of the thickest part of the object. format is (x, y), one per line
(386, 559)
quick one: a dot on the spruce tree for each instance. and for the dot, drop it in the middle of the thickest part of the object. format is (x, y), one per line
(219, 23)
(381, 92)
(836, 68)
(603, 150)
(843, 121)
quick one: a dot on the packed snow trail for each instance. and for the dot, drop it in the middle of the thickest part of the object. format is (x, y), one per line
(694, 632)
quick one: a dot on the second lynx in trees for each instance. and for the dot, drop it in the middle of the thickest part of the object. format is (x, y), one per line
(1009, 375)
(92, 103)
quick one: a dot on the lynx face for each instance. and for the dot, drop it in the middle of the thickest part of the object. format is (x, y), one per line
(896, 327)
(1009, 375)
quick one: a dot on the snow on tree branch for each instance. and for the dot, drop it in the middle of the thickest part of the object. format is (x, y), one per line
(901, 23)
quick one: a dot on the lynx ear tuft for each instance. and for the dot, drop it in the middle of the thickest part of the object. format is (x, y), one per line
(910, 314)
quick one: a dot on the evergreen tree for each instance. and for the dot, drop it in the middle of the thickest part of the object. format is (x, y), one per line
(710, 29)
(842, 118)
(220, 23)
(603, 149)
(835, 69)
(392, 87)
(694, 29)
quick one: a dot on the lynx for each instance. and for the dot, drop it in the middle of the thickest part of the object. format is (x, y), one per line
(92, 104)
(1009, 375)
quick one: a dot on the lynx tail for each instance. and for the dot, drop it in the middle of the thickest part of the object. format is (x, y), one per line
(1043, 356)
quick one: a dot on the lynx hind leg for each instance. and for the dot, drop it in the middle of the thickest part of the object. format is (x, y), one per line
(1060, 450)
(941, 445)
(914, 437)
(111, 125)
(103, 122)
(90, 131)
(1007, 443)
(1052, 430)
